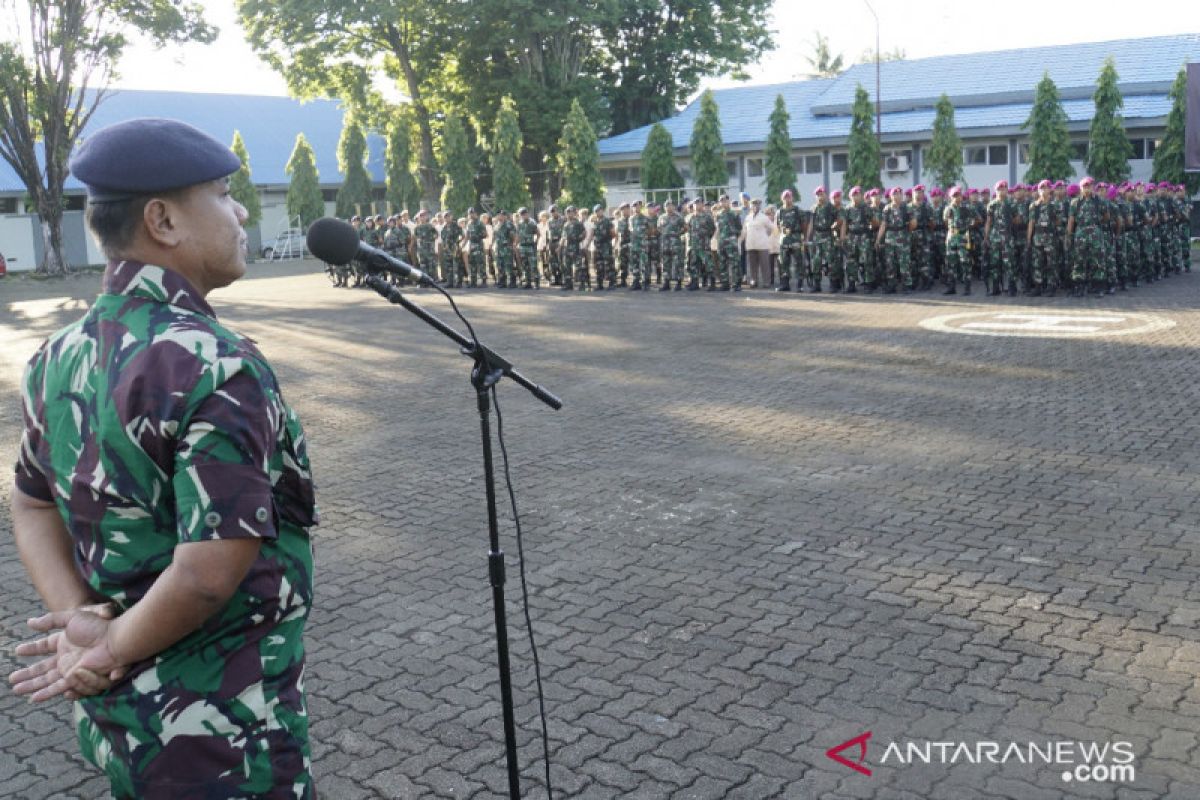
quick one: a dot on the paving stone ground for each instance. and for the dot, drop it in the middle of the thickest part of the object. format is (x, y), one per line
(762, 525)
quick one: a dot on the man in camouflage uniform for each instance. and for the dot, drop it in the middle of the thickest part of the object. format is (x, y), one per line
(554, 233)
(997, 232)
(959, 220)
(623, 214)
(653, 245)
(638, 256)
(527, 233)
(822, 218)
(398, 242)
(701, 227)
(792, 226)
(922, 237)
(729, 229)
(670, 231)
(604, 231)
(1020, 199)
(163, 495)
(574, 260)
(937, 235)
(1041, 241)
(475, 234)
(1088, 215)
(450, 239)
(1063, 195)
(893, 235)
(504, 243)
(855, 233)
(424, 242)
(1168, 249)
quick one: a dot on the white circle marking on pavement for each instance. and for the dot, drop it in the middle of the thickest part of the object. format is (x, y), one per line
(1047, 325)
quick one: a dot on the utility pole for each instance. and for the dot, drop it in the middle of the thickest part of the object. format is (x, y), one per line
(878, 116)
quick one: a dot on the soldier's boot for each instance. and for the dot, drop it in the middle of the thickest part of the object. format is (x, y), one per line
(637, 285)
(785, 285)
(666, 286)
(679, 286)
(693, 285)
(623, 282)
(850, 288)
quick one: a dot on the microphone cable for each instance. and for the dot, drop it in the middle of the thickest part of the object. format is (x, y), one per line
(512, 499)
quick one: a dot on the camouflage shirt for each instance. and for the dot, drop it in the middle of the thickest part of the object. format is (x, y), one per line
(1001, 214)
(150, 424)
(425, 235)
(729, 225)
(527, 233)
(1087, 211)
(573, 233)
(824, 215)
(475, 232)
(791, 224)
(502, 239)
(602, 233)
(671, 229)
(450, 235)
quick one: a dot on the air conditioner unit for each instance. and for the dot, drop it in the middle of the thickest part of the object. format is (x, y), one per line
(896, 163)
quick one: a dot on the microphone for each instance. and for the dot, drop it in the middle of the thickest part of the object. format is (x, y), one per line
(336, 242)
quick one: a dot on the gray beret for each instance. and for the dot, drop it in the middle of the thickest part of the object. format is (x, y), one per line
(151, 154)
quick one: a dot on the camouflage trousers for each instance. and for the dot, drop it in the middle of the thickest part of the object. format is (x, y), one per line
(937, 254)
(791, 260)
(1090, 259)
(427, 262)
(505, 271)
(860, 258)
(554, 267)
(452, 268)
(730, 260)
(1185, 246)
(1020, 265)
(604, 266)
(623, 260)
(922, 254)
(1043, 261)
(476, 266)
(822, 254)
(573, 266)
(672, 262)
(639, 261)
(1167, 256)
(1000, 260)
(898, 252)
(958, 261)
(529, 266)
(653, 258)
(1147, 252)
(700, 264)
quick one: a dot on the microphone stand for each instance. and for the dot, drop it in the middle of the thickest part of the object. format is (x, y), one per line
(489, 368)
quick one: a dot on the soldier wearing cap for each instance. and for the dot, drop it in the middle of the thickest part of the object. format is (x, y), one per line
(959, 221)
(504, 243)
(163, 494)
(603, 235)
(574, 258)
(475, 232)
(893, 235)
(922, 237)
(425, 237)
(729, 229)
(937, 235)
(855, 233)
(624, 212)
(638, 255)
(1087, 218)
(792, 226)
(819, 239)
(1041, 241)
(670, 229)
(653, 245)
(527, 233)
(997, 232)
(701, 228)
(554, 233)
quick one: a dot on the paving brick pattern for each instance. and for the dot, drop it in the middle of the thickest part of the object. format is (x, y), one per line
(761, 526)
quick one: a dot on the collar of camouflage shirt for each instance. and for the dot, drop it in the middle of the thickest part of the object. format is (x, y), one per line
(147, 281)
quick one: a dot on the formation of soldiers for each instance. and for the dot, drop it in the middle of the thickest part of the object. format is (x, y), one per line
(1089, 237)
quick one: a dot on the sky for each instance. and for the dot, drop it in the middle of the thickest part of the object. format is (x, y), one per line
(920, 27)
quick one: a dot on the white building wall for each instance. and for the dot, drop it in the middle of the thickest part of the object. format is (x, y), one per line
(16, 242)
(94, 254)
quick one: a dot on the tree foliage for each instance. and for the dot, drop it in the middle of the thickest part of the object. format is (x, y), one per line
(895, 54)
(658, 164)
(1109, 149)
(864, 156)
(241, 186)
(354, 195)
(458, 185)
(403, 193)
(708, 149)
(53, 73)
(508, 181)
(304, 188)
(1168, 157)
(579, 160)
(824, 64)
(780, 171)
(1049, 140)
(944, 157)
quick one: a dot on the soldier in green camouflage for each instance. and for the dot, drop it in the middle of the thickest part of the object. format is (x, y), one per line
(893, 235)
(819, 238)
(638, 256)
(504, 243)
(476, 236)
(653, 268)
(554, 234)
(1088, 215)
(937, 234)
(922, 237)
(855, 234)
(527, 235)
(574, 258)
(670, 230)
(997, 232)
(425, 242)
(623, 214)
(1041, 241)
(450, 240)
(729, 229)
(701, 227)
(959, 220)
(604, 232)
(792, 226)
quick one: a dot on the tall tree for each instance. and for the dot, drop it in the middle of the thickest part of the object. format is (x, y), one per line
(1168, 157)
(402, 190)
(654, 54)
(708, 149)
(943, 159)
(1109, 149)
(864, 156)
(579, 160)
(824, 64)
(658, 164)
(508, 181)
(241, 186)
(458, 187)
(895, 54)
(304, 198)
(338, 49)
(354, 195)
(53, 73)
(1049, 140)
(781, 172)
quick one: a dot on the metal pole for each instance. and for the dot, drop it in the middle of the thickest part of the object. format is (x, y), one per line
(878, 116)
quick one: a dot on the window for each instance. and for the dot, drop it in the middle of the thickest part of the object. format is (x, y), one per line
(75, 202)
(731, 167)
(998, 154)
(839, 162)
(975, 155)
(1079, 151)
(329, 195)
(619, 175)
(8, 205)
(1151, 146)
(812, 165)
(1023, 153)
(754, 167)
(1139, 149)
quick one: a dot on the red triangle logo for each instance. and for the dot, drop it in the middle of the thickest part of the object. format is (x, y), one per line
(836, 753)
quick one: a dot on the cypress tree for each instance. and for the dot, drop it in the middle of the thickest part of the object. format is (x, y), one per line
(242, 187)
(304, 189)
(1168, 158)
(864, 159)
(1049, 141)
(708, 149)
(944, 158)
(509, 186)
(579, 160)
(658, 164)
(780, 171)
(354, 195)
(1109, 149)
(458, 191)
(403, 193)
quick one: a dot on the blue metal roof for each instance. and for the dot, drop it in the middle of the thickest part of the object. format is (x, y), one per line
(268, 125)
(989, 90)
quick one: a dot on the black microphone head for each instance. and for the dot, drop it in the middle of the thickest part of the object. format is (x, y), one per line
(332, 241)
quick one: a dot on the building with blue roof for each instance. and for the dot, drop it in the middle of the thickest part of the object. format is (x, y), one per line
(269, 126)
(992, 95)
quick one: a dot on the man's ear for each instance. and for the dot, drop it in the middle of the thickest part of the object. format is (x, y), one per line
(160, 221)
